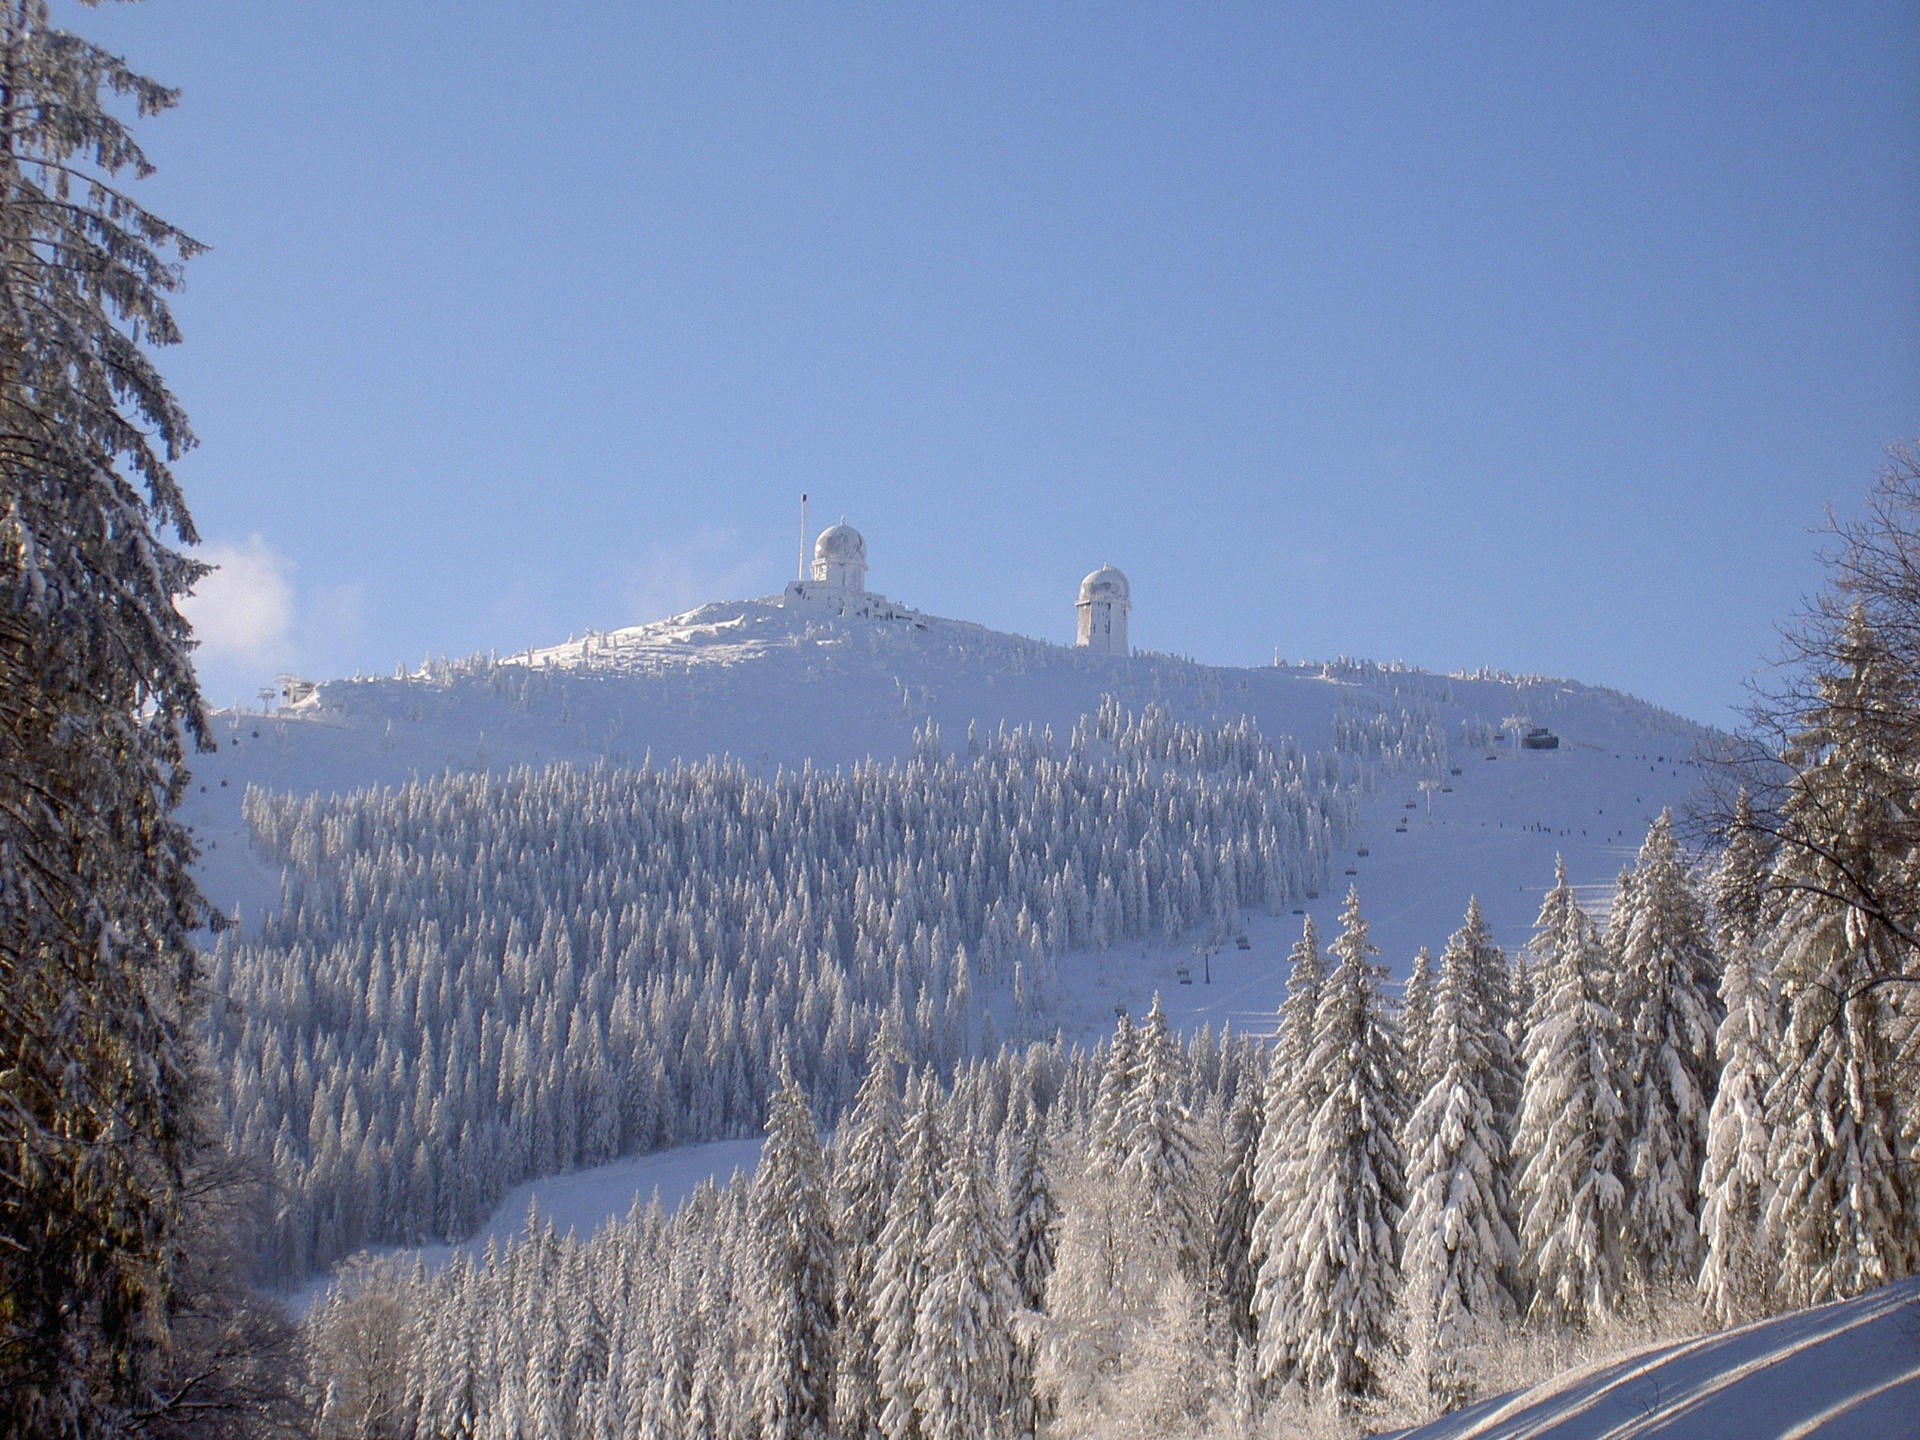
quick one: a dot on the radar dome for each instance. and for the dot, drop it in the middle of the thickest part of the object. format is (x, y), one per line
(1106, 583)
(840, 542)
(840, 557)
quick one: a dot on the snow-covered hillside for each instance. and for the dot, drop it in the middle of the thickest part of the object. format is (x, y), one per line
(778, 688)
(461, 969)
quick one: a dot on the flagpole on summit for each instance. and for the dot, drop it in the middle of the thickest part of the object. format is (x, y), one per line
(803, 537)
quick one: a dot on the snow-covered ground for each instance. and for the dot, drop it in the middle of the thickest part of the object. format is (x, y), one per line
(1495, 835)
(1846, 1371)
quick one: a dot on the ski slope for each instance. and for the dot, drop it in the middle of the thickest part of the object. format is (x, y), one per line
(580, 1203)
(1845, 1371)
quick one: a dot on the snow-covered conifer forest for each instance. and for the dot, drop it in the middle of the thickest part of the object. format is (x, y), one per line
(475, 979)
(1157, 1236)
(1372, 1189)
(1123, 1045)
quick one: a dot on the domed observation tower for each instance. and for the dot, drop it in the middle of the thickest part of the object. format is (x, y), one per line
(1105, 599)
(840, 558)
(834, 581)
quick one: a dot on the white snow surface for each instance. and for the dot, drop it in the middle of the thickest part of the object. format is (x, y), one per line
(1845, 1371)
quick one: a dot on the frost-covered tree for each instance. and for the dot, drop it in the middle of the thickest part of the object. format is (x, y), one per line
(1550, 931)
(1161, 1146)
(1570, 1147)
(1119, 1077)
(1416, 1020)
(1735, 1275)
(1341, 1328)
(1124, 1323)
(1032, 1220)
(866, 1169)
(1666, 982)
(1457, 1242)
(794, 1315)
(98, 704)
(901, 1270)
(1291, 1097)
(1031, 1214)
(1525, 988)
(1845, 729)
(1231, 1270)
(965, 1356)
(1491, 979)
(1845, 1210)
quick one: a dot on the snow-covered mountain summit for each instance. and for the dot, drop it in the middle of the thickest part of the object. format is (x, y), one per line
(779, 686)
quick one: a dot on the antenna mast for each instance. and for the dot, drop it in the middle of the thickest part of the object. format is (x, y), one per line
(803, 535)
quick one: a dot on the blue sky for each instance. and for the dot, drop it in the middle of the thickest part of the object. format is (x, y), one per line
(1534, 336)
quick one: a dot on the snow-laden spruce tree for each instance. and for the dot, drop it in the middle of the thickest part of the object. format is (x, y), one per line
(965, 1356)
(1033, 1217)
(1570, 1147)
(1341, 1330)
(794, 1309)
(1457, 1242)
(1291, 1096)
(1845, 1210)
(1032, 1210)
(1845, 724)
(900, 1272)
(866, 1169)
(1118, 1077)
(97, 706)
(1491, 978)
(1161, 1146)
(1416, 1021)
(1666, 982)
(1550, 929)
(1735, 1276)
(1230, 1273)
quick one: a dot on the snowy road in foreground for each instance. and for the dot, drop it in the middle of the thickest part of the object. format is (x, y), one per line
(1841, 1371)
(585, 1200)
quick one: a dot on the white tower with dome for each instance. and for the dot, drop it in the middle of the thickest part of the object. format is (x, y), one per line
(840, 558)
(1105, 599)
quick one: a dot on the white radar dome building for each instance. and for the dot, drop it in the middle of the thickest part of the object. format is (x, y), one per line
(836, 580)
(1105, 599)
(840, 558)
